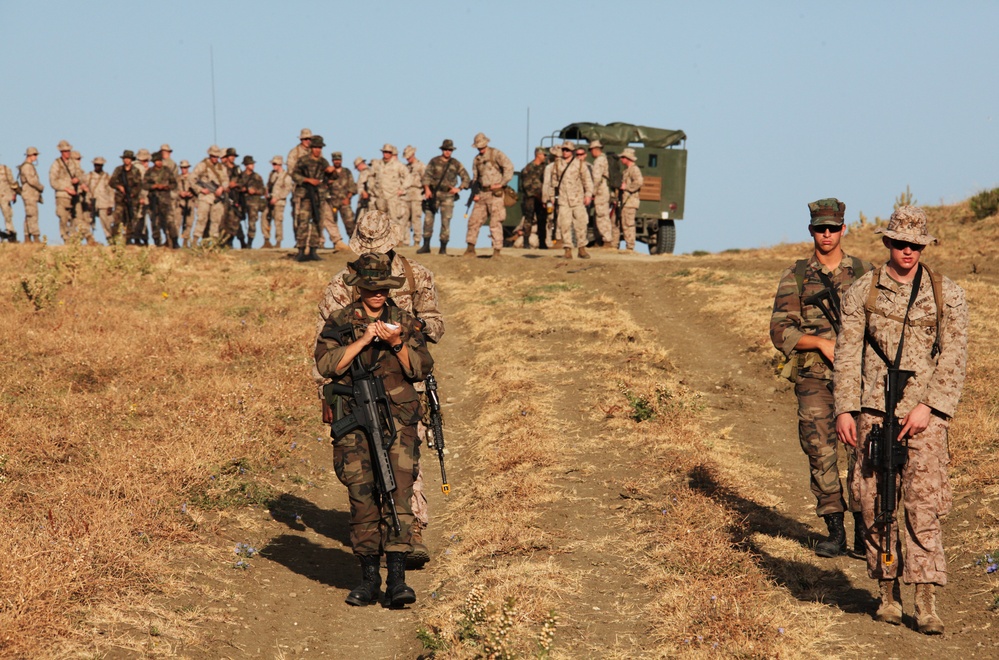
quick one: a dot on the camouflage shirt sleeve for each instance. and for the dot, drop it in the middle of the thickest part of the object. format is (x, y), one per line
(335, 297)
(785, 320)
(425, 303)
(849, 351)
(943, 390)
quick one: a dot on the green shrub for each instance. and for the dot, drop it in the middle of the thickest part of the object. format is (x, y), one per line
(985, 203)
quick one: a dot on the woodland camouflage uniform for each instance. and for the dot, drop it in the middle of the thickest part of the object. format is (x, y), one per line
(532, 179)
(160, 203)
(126, 206)
(308, 229)
(251, 184)
(441, 175)
(342, 189)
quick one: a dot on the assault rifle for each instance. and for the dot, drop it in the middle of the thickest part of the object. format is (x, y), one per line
(437, 428)
(372, 415)
(430, 205)
(129, 213)
(475, 189)
(827, 300)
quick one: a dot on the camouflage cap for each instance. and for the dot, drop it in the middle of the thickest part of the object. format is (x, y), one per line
(374, 232)
(480, 141)
(359, 161)
(184, 163)
(231, 151)
(277, 160)
(99, 161)
(447, 145)
(629, 153)
(539, 150)
(248, 160)
(128, 153)
(568, 144)
(409, 151)
(304, 134)
(317, 142)
(908, 223)
(336, 155)
(828, 211)
(64, 146)
(372, 271)
(143, 155)
(389, 148)
(158, 155)
(596, 144)
(215, 151)
(166, 147)
(31, 151)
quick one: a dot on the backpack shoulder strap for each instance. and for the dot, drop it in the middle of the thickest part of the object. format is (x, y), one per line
(410, 278)
(936, 281)
(799, 274)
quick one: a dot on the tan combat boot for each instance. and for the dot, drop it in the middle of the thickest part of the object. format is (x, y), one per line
(583, 254)
(340, 246)
(567, 253)
(890, 610)
(496, 253)
(267, 244)
(469, 251)
(927, 621)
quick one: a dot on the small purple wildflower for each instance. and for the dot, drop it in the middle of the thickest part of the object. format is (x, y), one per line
(780, 631)
(992, 568)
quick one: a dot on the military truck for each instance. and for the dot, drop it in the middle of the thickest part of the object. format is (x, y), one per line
(662, 157)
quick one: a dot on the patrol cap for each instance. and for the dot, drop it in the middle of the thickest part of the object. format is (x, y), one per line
(99, 161)
(336, 155)
(358, 161)
(828, 211)
(31, 151)
(629, 153)
(231, 151)
(447, 145)
(908, 223)
(317, 141)
(215, 151)
(128, 153)
(64, 146)
(596, 144)
(166, 147)
(389, 148)
(248, 160)
(304, 134)
(409, 151)
(277, 160)
(158, 156)
(184, 163)
(480, 141)
(143, 154)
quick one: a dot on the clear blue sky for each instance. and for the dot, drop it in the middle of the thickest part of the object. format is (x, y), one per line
(782, 102)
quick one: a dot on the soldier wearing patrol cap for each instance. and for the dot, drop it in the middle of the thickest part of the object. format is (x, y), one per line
(211, 180)
(159, 183)
(532, 227)
(443, 179)
(279, 186)
(101, 196)
(805, 335)
(31, 193)
(342, 189)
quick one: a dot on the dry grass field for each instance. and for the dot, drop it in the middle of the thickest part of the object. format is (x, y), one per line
(599, 508)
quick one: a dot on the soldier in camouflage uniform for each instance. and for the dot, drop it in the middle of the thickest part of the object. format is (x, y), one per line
(631, 186)
(601, 194)
(140, 227)
(571, 178)
(187, 195)
(66, 179)
(532, 179)
(310, 176)
(492, 170)
(413, 222)
(391, 337)
(342, 189)
(252, 191)
(390, 184)
(279, 186)
(160, 183)
(126, 177)
(102, 196)
(232, 217)
(805, 336)
(419, 297)
(365, 187)
(31, 194)
(211, 180)
(877, 311)
(9, 189)
(443, 178)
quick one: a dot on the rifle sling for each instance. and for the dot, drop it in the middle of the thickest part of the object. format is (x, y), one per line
(905, 321)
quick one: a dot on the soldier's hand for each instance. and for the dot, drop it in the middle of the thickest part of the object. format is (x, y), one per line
(828, 348)
(475, 199)
(370, 333)
(916, 421)
(587, 200)
(387, 332)
(219, 191)
(846, 429)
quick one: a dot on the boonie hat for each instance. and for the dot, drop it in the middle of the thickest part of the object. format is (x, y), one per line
(143, 154)
(908, 223)
(629, 153)
(304, 134)
(215, 151)
(64, 146)
(248, 160)
(390, 148)
(184, 163)
(374, 233)
(596, 144)
(166, 147)
(31, 151)
(75, 155)
(231, 151)
(828, 211)
(128, 153)
(99, 161)
(447, 145)
(317, 142)
(359, 161)
(372, 271)
(569, 144)
(277, 160)
(409, 151)
(480, 141)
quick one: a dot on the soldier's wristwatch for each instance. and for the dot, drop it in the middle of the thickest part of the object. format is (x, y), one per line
(398, 347)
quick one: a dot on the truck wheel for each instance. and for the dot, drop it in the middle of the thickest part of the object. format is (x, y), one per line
(665, 237)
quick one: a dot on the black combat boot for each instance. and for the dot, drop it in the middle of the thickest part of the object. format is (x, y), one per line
(425, 248)
(859, 549)
(835, 545)
(301, 254)
(443, 249)
(312, 255)
(369, 590)
(397, 592)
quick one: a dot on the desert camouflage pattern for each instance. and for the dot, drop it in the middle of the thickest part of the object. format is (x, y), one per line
(926, 497)
(31, 194)
(365, 186)
(298, 151)
(61, 174)
(187, 206)
(207, 177)
(574, 183)
(601, 198)
(859, 377)
(7, 196)
(631, 184)
(414, 222)
(279, 186)
(370, 525)
(492, 167)
(390, 185)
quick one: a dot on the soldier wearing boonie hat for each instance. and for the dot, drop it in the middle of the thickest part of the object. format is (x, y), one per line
(126, 183)
(631, 185)
(492, 170)
(342, 190)
(186, 203)
(390, 187)
(313, 211)
(443, 178)
(66, 178)
(160, 183)
(803, 333)
(31, 193)
(209, 179)
(251, 185)
(903, 298)
(571, 184)
(101, 196)
(413, 199)
(279, 186)
(601, 193)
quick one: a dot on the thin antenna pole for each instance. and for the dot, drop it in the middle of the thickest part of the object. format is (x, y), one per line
(215, 130)
(527, 142)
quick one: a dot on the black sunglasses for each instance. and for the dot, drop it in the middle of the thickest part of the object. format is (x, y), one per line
(901, 245)
(833, 229)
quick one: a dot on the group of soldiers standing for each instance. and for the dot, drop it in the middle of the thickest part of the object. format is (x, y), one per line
(150, 198)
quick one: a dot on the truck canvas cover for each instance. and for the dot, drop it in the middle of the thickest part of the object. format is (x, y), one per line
(621, 134)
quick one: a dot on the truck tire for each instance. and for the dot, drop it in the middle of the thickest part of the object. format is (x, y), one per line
(665, 237)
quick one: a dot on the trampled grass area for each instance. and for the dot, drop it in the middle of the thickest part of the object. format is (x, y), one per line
(141, 390)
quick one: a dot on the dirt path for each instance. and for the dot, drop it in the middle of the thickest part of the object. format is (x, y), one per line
(291, 601)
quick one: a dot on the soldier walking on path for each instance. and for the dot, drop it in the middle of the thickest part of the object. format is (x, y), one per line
(491, 170)
(342, 189)
(9, 190)
(571, 184)
(126, 181)
(806, 336)
(31, 194)
(443, 179)
(279, 186)
(631, 185)
(160, 182)
(903, 316)
(66, 179)
(211, 180)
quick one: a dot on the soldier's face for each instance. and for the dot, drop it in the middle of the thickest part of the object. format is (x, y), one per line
(184, 170)
(902, 254)
(277, 167)
(338, 163)
(127, 161)
(64, 155)
(249, 167)
(307, 142)
(446, 153)
(386, 156)
(567, 154)
(317, 152)
(826, 237)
